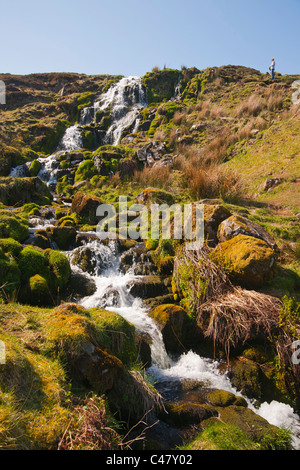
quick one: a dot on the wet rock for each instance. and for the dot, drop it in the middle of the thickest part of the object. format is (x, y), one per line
(84, 258)
(39, 240)
(85, 237)
(147, 287)
(173, 322)
(111, 298)
(79, 286)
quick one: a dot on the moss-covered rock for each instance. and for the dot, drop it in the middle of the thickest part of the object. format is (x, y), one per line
(218, 435)
(10, 157)
(250, 423)
(34, 168)
(39, 292)
(60, 267)
(249, 261)
(117, 334)
(11, 246)
(85, 171)
(225, 398)
(147, 287)
(85, 207)
(15, 191)
(183, 414)
(32, 261)
(245, 376)
(13, 226)
(160, 84)
(64, 237)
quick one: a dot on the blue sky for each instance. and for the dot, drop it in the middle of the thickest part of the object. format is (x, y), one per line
(130, 37)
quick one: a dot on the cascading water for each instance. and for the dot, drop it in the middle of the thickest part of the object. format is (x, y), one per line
(112, 293)
(126, 99)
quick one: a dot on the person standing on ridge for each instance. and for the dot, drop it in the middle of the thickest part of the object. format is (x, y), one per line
(272, 69)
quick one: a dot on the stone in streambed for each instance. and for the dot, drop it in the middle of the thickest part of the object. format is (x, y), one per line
(147, 287)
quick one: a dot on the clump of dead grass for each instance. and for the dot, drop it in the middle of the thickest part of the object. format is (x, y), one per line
(89, 428)
(157, 176)
(251, 106)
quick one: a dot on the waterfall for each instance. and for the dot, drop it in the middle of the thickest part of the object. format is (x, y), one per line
(125, 100)
(177, 88)
(72, 139)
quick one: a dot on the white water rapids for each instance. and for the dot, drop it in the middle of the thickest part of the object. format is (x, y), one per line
(112, 293)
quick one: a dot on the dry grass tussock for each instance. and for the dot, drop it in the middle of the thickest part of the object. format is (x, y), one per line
(257, 123)
(208, 181)
(89, 428)
(157, 176)
(207, 110)
(251, 106)
(271, 100)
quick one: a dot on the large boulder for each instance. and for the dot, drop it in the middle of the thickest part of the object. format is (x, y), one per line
(236, 224)
(85, 207)
(248, 261)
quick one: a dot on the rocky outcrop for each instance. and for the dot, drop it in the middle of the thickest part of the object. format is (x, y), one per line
(152, 153)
